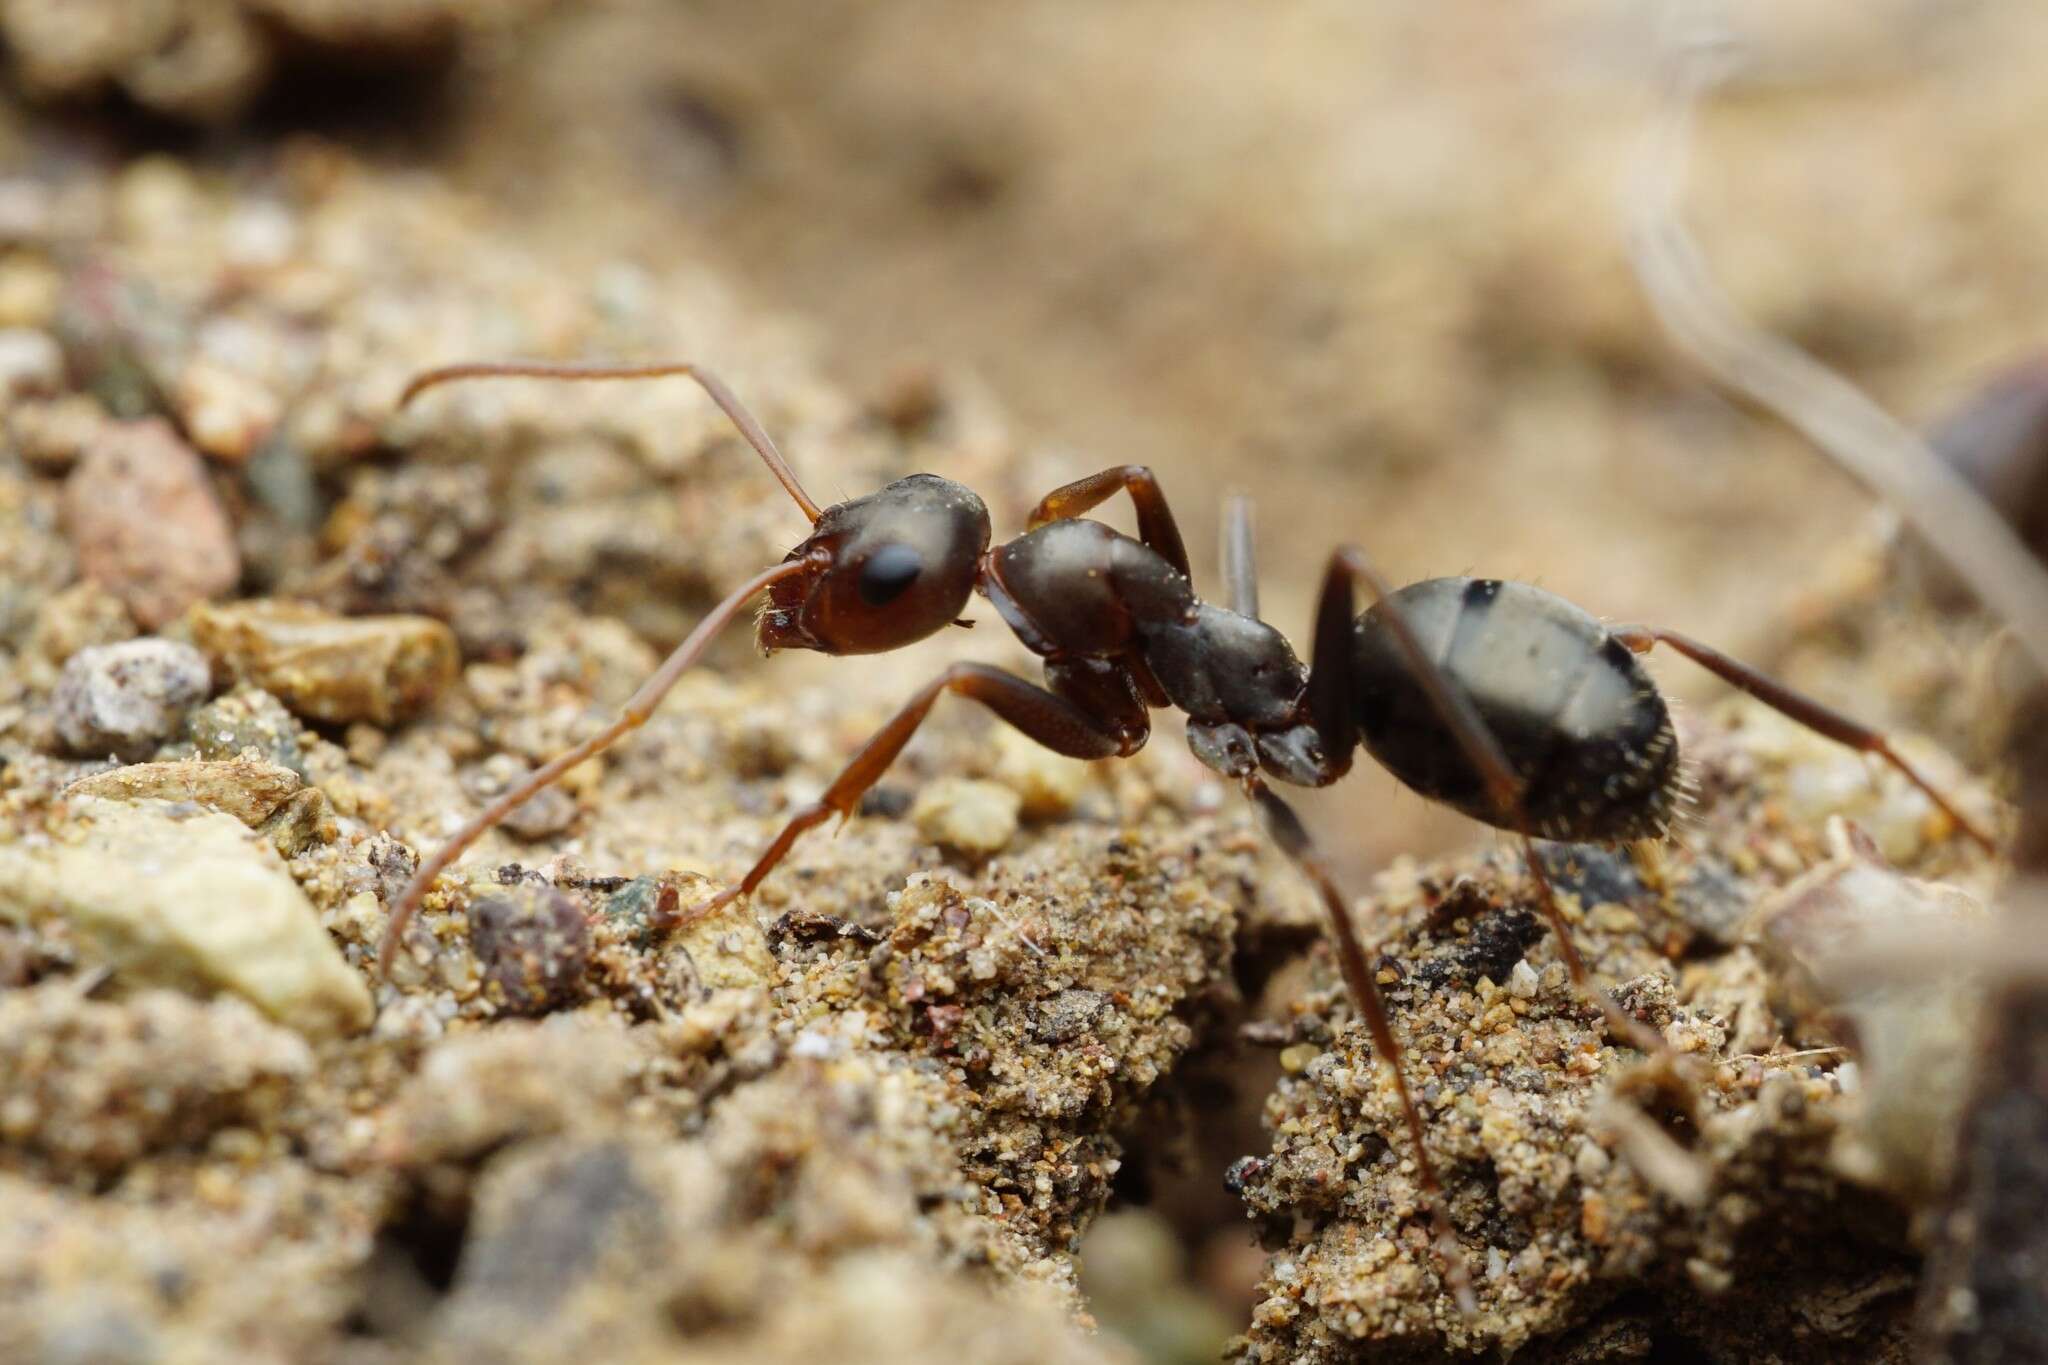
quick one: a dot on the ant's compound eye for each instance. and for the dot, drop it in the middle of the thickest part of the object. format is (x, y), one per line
(887, 573)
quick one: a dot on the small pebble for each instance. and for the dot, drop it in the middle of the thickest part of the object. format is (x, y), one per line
(1068, 1015)
(533, 947)
(80, 617)
(50, 433)
(1710, 1279)
(543, 815)
(331, 668)
(127, 699)
(968, 815)
(1614, 919)
(1294, 1060)
(546, 813)
(156, 197)
(29, 289)
(146, 524)
(1048, 784)
(247, 718)
(1913, 1039)
(28, 210)
(226, 413)
(1523, 981)
(30, 363)
(303, 820)
(716, 955)
(260, 235)
(634, 908)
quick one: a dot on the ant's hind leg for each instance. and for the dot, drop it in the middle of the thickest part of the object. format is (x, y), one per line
(1805, 710)
(1292, 836)
(1156, 526)
(1330, 688)
(1240, 556)
(1046, 717)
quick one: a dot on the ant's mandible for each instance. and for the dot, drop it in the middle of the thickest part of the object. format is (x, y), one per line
(1499, 699)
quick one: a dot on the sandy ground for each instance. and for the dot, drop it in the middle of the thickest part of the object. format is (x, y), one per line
(1368, 266)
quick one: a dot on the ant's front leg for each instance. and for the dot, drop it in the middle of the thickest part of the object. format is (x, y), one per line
(635, 713)
(1046, 717)
(1157, 530)
(1331, 687)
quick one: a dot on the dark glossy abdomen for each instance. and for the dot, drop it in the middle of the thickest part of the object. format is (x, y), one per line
(1580, 720)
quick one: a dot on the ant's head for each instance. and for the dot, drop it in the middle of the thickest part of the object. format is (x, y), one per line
(878, 572)
(891, 568)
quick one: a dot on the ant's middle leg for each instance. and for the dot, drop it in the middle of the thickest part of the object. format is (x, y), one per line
(1044, 716)
(1803, 709)
(1287, 831)
(1156, 526)
(1331, 684)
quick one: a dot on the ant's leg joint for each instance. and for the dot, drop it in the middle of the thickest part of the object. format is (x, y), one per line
(1635, 639)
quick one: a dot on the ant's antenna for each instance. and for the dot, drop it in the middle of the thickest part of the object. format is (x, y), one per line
(756, 436)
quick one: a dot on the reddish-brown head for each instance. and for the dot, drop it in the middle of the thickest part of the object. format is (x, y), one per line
(893, 567)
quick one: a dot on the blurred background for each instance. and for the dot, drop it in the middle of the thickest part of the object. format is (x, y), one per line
(1363, 260)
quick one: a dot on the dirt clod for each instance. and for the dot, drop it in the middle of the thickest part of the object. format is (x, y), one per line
(1715, 1193)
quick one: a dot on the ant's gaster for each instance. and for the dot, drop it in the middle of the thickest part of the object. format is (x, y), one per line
(1499, 699)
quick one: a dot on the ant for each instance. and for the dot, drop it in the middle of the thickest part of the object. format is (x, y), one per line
(1499, 699)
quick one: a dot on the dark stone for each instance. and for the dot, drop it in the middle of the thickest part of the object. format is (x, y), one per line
(1595, 875)
(550, 1233)
(638, 907)
(1068, 1015)
(1496, 943)
(1246, 1170)
(885, 802)
(533, 946)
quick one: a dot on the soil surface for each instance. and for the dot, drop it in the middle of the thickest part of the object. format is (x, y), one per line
(1033, 1060)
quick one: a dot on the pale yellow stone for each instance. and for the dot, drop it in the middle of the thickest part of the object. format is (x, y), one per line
(166, 895)
(967, 814)
(249, 789)
(29, 289)
(1294, 1060)
(1047, 784)
(331, 668)
(224, 412)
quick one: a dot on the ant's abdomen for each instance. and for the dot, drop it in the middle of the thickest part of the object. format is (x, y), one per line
(1580, 720)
